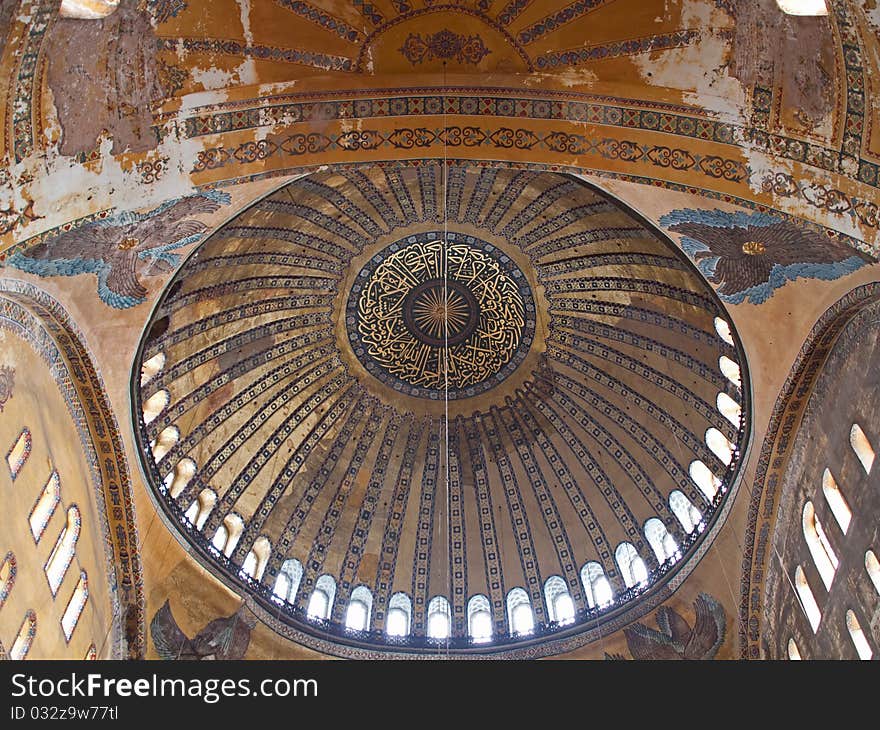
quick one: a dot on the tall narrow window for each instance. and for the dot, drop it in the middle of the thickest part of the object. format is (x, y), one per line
(808, 600)
(177, 480)
(596, 585)
(165, 442)
(288, 580)
(719, 445)
(201, 507)
(723, 330)
(519, 612)
(25, 637)
(18, 454)
(64, 550)
(872, 565)
(730, 370)
(45, 506)
(632, 567)
(228, 534)
(560, 607)
(439, 618)
(858, 636)
(321, 601)
(803, 7)
(839, 508)
(684, 510)
(399, 618)
(862, 447)
(152, 367)
(8, 571)
(793, 652)
(357, 615)
(255, 562)
(823, 556)
(661, 541)
(155, 404)
(75, 606)
(703, 477)
(479, 619)
(91, 654)
(729, 408)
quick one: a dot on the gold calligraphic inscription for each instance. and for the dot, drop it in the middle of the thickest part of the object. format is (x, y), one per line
(431, 309)
(753, 248)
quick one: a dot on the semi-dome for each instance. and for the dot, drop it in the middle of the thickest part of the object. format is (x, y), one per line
(439, 407)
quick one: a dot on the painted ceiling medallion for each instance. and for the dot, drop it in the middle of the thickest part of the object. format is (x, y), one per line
(425, 315)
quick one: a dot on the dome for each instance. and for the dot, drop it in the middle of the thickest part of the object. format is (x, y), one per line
(500, 430)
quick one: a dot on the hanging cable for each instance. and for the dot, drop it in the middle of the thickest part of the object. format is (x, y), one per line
(445, 260)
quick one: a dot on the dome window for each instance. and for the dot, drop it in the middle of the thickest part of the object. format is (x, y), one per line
(399, 618)
(357, 615)
(808, 600)
(479, 619)
(439, 618)
(519, 613)
(321, 602)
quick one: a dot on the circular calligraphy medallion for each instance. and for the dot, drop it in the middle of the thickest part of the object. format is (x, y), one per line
(426, 317)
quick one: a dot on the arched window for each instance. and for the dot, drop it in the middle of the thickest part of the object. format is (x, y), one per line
(872, 565)
(560, 607)
(321, 602)
(399, 618)
(839, 508)
(631, 566)
(858, 636)
(684, 510)
(596, 585)
(155, 404)
(719, 445)
(87, 9)
(201, 507)
(357, 615)
(45, 506)
(823, 556)
(479, 616)
(25, 637)
(723, 330)
(177, 480)
(152, 367)
(729, 408)
(862, 447)
(808, 600)
(662, 543)
(165, 442)
(288, 579)
(730, 370)
(19, 453)
(75, 606)
(91, 654)
(439, 618)
(8, 571)
(255, 562)
(228, 534)
(803, 7)
(519, 612)
(793, 652)
(64, 550)
(703, 477)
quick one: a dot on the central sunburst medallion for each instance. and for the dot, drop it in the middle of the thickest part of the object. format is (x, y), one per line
(426, 316)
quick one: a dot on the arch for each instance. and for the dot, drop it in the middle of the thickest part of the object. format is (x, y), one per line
(596, 585)
(863, 648)
(25, 637)
(803, 7)
(729, 408)
(632, 567)
(722, 327)
(705, 480)
(872, 565)
(45, 506)
(255, 561)
(730, 370)
(321, 601)
(201, 507)
(8, 571)
(165, 441)
(520, 617)
(820, 549)
(860, 444)
(360, 606)
(560, 607)
(75, 606)
(87, 9)
(688, 516)
(154, 405)
(439, 618)
(793, 652)
(479, 619)
(152, 367)
(178, 480)
(64, 550)
(288, 580)
(228, 534)
(399, 618)
(661, 541)
(808, 600)
(719, 445)
(19, 453)
(839, 508)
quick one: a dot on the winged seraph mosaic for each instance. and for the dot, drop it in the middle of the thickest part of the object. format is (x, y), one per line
(124, 247)
(750, 255)
(222, 638)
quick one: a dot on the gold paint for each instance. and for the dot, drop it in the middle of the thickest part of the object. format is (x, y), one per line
(127, 243)
(753, 248)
